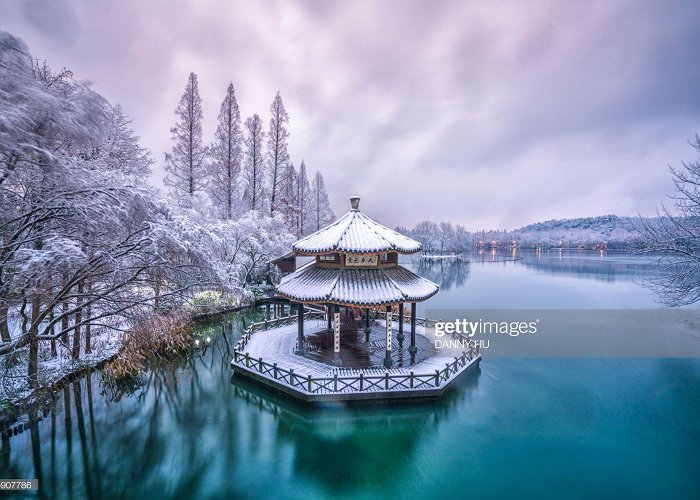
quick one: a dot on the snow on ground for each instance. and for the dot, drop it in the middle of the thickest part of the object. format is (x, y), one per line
(277, 346)
(14, 384)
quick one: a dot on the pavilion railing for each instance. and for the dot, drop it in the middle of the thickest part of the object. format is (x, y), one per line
(349, 380)
(268, 324)
(424, 322)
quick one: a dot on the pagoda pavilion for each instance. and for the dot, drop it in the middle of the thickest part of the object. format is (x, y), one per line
(353, 269)
(356, 266)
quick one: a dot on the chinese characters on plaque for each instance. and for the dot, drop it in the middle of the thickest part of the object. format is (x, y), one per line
(361, 260)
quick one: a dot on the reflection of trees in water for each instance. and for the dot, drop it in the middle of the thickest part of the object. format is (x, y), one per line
(447, 273)
(588, 266)
(143, 438)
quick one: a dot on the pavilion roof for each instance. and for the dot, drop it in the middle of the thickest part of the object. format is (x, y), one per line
(360, 287)
(354, 232)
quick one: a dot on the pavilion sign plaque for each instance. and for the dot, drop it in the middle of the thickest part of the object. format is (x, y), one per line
(361, 260)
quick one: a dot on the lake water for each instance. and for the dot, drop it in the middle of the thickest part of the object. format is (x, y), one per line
(537, 428)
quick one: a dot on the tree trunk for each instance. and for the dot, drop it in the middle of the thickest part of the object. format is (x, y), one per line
(78, 318)
(23, 313)
(33, 366)
(51, 331)
(156, 291)
(49, 291)
(4, 329)
(64, 311)
(88, 316)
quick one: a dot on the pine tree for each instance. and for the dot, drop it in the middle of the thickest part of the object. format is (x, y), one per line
(320, 212)
(288, 202)
(226, 153)
(277, 156)
(302, 190)
(253, 189)
(186, 164)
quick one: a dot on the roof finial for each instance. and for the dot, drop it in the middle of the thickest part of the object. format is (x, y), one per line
(355, 202)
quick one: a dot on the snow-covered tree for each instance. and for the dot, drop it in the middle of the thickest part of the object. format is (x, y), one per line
(186, 163)
(445, 237)
(121, 148)
(277, 155)
(676, 237)
(462, 240)
(85, 242)
(320, 212)
(426, 232)
(226, 153)
(288, 202)
(252, 177)
(43, 115)
(246, 246)
(302, 190)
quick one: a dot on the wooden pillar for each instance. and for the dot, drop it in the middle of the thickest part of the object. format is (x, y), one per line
(336, 337)
(329, 313)
(412, 348)
(387, 359)
(300, 330)
(400, 337)
(267, 311)
(368, 329)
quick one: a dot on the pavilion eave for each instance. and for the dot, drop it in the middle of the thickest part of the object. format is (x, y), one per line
(356, 287)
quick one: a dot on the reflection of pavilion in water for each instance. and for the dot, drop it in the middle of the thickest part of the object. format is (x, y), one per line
(321, 435)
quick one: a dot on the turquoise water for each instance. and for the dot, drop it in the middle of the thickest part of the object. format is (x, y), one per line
(540, 428)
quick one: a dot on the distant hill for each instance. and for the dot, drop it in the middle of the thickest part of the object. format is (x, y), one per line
(603, 231)
(601, 223)
(611, 231)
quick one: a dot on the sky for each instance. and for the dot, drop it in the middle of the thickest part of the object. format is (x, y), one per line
(489, 114)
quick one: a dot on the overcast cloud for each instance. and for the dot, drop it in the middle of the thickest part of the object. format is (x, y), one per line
(488, 114)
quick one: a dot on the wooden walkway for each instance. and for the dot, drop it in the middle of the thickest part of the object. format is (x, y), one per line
(266, 354)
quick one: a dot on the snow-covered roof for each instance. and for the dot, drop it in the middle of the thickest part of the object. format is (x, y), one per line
(361, 287)
(354, 232)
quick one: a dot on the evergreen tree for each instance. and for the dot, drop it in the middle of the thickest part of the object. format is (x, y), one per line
(277, 156)
(186, 163)
(226, 155)
(289, 203)
(320, 212)
(253, 189)
(302, 189)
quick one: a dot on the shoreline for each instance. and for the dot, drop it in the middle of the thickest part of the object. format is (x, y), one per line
(12, 411)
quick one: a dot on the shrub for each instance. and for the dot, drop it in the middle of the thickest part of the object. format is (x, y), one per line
(209, 301)
(157, 336)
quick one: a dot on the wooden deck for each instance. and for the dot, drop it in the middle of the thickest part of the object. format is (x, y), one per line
(266, 354)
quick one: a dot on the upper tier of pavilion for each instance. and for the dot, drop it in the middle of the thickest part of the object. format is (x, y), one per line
(355, 233)
(356, 265)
